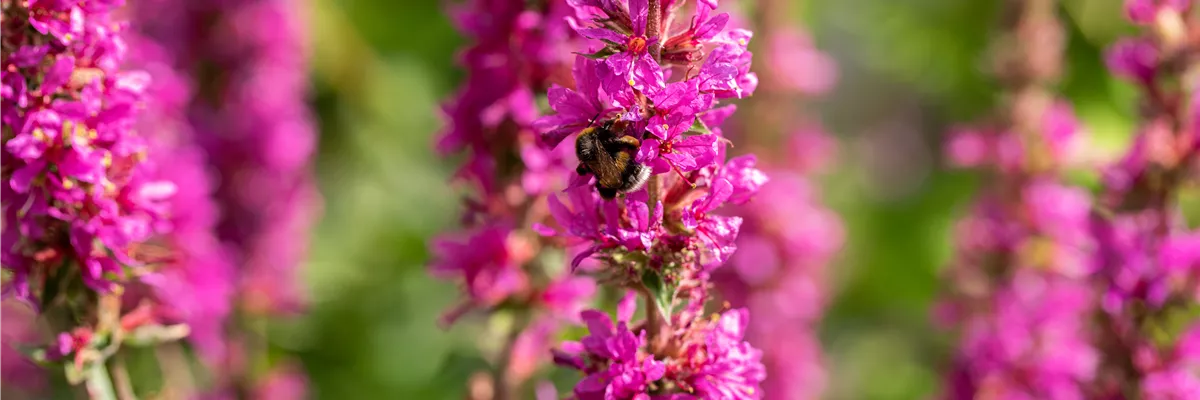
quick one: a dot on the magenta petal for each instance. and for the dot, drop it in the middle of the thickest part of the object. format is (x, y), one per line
(627, 306)
(639, 12)
(23, 178)
(694, 152)
(718, 193)
(602, 34)
(58, 75)
(570, 104)
(583, 255)
(659, 166)
(578, 180)
(648, 151)
(559, 211)
(712, 27)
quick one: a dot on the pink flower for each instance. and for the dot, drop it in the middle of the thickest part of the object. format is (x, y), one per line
(576, 109)
(799, 65)
(74, 162)
(616, 368)
(487, 261)
(730, 368)
(1143, 12)
(1134, 59)
(19, 329)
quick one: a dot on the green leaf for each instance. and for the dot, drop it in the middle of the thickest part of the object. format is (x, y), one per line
(54, 283)
(99, 384)
(601, 54)
(699, 127)
(662, 293)
(33, 353)
(74, 375)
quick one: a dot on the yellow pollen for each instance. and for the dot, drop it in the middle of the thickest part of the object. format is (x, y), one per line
(664, 126)
(82, 135)
(68, 184)
(68, 37)
(107, 160)
(631, 82)
(39, 134)
(109, 188)
(742, 42)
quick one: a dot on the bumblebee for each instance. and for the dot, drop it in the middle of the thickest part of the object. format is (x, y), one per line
(610, 157)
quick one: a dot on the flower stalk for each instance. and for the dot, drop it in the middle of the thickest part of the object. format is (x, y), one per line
(1022, 258)
(1148, 261)
(497, 255)
(656, 237)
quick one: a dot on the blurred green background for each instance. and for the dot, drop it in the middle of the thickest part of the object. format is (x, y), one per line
(908, 70)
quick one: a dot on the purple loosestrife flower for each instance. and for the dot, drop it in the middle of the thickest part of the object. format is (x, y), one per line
(1025, 334)
(803, 68)
(575, 109)
(232, 105)
(726, 71)
(1133, 59)
(717, 363)
(489, 260)
(1147, 255)
(616, 366)
(663, 240)
(1143, 12)
(1022, 297)
(18, 328)
(563, 299)
(77, 182)
(1033, 344)
(259, 133)
(516, 54)
(785, 244)
(712, 360)
(1172, 375)
(519, 52)
(787, 238)
(631, 61)
(283, 383)
(195, 282)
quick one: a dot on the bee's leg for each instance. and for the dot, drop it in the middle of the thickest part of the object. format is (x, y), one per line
(630, 142)
(582, 169)
(606, 193)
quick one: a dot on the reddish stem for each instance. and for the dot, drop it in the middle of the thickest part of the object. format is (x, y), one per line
(654, 29)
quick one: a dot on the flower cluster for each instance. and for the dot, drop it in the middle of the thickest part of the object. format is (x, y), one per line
(709, 360)
(1149, 260)
(778, 274)
(84, 203)
(645, 206)
(253, 121)
(788, 238)
(249, 114)
(1022, 298)
(518, 49)
(194, 282)
(78, 188)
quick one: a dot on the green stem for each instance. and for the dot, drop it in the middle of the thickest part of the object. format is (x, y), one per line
(99, 384)
(121, 377)
(656, 321)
